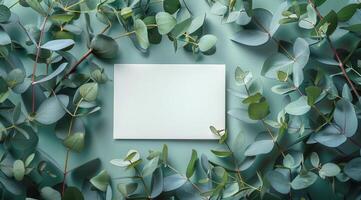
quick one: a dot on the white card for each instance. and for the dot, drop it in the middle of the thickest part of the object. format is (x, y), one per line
(168, 101)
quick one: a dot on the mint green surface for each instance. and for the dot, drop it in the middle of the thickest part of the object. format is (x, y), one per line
(100, 142)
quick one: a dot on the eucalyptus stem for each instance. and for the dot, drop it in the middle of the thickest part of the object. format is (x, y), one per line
(146, 190)
(67, 156)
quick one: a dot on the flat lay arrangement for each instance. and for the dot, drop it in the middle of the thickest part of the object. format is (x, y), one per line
(180, 99)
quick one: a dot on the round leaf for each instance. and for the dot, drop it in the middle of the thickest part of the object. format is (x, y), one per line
(75, 142)
(329, 170)
(52, 109)
(279, 182)
(303, 181)
(171, 6)
(104, 46)
(173, 182)
(298, 107)
(101, 181)
(19, 170)
(353, 169)
(207, 42)
(165, 22)
(57, 45)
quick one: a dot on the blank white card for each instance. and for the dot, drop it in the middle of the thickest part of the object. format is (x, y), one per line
(168, 101)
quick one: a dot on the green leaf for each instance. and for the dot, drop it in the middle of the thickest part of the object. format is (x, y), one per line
(275, 63)
(48, 193)
(4, 13)
(15, 77)
(72, 193)
(315, 160)
(165, 22)
(104, 46)
(347, 12)
(355, 28)
(242, 77)
(61, 19)
(57, 45)
(53, 74)
(330, 136)
(75, 142)
(101, 181)
(313, 92)
(165, 154)
(288, 161)
(263, 144)
(127, 188)
(89, 91)
(303, 181)
(253, 98)
(157, 183)
(258, 111)
(330, 20)
(171, 6)
(218, 9)
(196, 24)
(4, 37)
(150, 167)
(131, 157)
(283, 89)
(309, 20)
(298, 107)
(353, 169)
(19, 170)
(207, 43)
(141, 33)
(192, 164)
(52, 109)
(279, 182)
(250, 37)
(173, 182)
(329, 170)
(345, 117)
(222, 154)
(319, 2)
(35, 5)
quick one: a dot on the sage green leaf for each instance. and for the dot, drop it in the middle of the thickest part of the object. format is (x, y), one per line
(157, 183)
(347, 12)
(89, 91)
(247, 163)
(131, 157)
(263, 144)
(345, 117)
(242, 77)
(283, 89)
(253, 98)
(309, 20)
(221, 154)
(171, 6)
(141, 33)
(165, 22)
(301, 51)
(18, 170)
(55, 73)
(258, 111)
(104, 46)
(279, 182)
(127, 189)
(346, 93)
(303, 181)
(218, 9)
(196, 24)
(57, 45)
(173, 182)
(277, 16)
(230, 190)
(15, 77)
(330, 136)
(329, 22)
(101, 181)
(353, 169)
(275, 63)
(52, 109)
(298, 107)
(355, 28)
(72, 193)
(313, 92)
(5, 13)
(75, 142)
(35, 5)
(315, 160)
(192, 164)
(61, 19)
(250, 37)
(48, 193)
(4, 37)
(207, 43)
(288, 161)
(241, 114)
(150, 167)
(329, 170)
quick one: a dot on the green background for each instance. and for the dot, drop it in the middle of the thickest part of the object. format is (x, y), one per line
(100, 142)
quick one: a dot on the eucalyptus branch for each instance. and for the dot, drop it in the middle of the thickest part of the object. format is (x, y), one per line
(338, 58)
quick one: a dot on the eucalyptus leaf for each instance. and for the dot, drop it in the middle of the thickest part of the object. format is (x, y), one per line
(259, 147)
(207, 42)
(55, 73)
(57, 45)
(5, 13)
(345, 117)
(75, 141)
(104, 46)
(173, 182)
(353, 169)
(52, 109)
(192, 164)
(150, 167)
(142, 33)
(165, 22)
(329, 170)
(279, 182)
(19, 170)
(101, 180)
(48, 193)
(4, 37)
(298, 107)
(171, 6)
(250, 37)
(303, 181)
